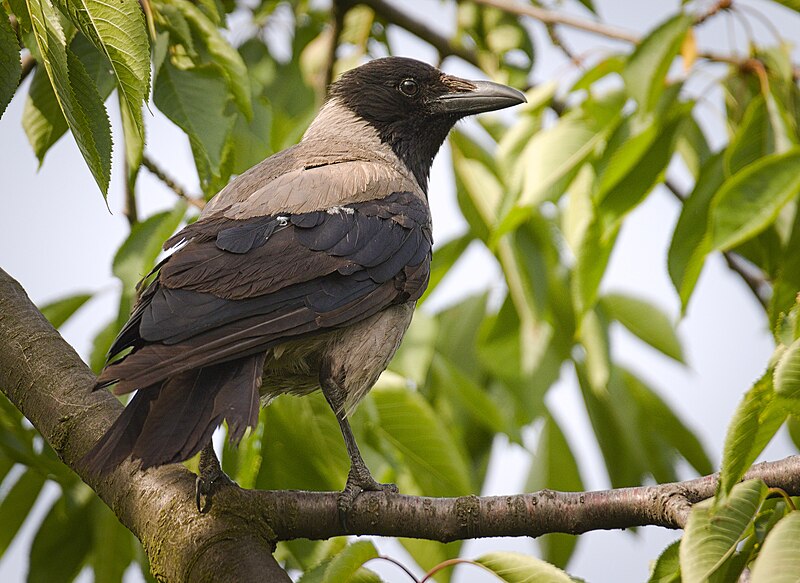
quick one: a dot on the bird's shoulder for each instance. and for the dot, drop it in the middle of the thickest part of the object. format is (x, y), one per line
(312, 175)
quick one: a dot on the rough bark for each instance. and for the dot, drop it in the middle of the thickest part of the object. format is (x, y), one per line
(44, 377)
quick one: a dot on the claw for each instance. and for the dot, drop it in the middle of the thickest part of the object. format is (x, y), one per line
(357, 483)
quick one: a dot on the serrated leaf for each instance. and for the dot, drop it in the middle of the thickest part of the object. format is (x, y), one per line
(134, 144)
(778, 560)
(42, 119)
(749, 201)
(222, 53)
(17, 503)
(196, 100)
(646, 321)
(60, 311)
(554, 467)
(10, 65)
(117, 30)
(428, 451)
(647, 67)
(690, 241)
(787, 372)
(667, 568)
(519, 568)
(77, 96)
(758, 417)
(713, 531)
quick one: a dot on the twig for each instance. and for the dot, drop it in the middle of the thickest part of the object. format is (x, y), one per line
(151, 165)
(757, 282)
(442, 44)
(552, 17)
(339, 11)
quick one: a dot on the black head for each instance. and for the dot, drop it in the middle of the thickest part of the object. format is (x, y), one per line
(413, 106)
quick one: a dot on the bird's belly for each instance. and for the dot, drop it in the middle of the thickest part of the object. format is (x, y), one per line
(356, 355)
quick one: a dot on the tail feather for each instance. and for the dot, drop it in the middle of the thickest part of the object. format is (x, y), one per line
(171, 421)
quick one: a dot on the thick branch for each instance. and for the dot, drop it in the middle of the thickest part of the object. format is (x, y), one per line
(44, 377)
(48, 382)
(313, 515)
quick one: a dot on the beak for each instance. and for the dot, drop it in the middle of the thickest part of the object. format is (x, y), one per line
(486, 96)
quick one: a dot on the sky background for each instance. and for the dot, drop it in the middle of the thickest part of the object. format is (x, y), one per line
(58, 238)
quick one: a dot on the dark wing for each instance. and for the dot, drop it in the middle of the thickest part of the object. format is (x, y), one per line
(240, 286)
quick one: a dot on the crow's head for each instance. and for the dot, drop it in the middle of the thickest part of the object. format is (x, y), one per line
(413, 106)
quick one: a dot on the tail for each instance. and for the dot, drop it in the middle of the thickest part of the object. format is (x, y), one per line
(172, 420)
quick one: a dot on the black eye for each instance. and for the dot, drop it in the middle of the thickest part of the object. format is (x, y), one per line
(409, 87)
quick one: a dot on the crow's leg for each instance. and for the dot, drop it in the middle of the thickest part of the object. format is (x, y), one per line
(211, 478)
(359, 478)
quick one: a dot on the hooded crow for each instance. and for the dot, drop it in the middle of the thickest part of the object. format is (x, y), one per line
(301, 274)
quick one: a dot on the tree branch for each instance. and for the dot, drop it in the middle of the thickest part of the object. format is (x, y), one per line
(156, 170)
(442, 44)
(46, 380)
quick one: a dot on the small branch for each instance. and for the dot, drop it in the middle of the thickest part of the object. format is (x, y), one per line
(313, 515)
(130, 211)
(339, 10)
(151, 165)
(550, 17)
(751, 275)
(442, 44)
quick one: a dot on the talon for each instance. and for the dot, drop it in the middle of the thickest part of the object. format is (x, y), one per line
(356, 484)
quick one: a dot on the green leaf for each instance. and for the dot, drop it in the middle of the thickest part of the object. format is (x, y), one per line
(42, 119)
(667, 568)
(196, 100)
(62, 542)
(137, 255)
(443, 260)
(591, 262)
(10, 65)
(649, 63)
(113, 549)
(692, 145)
(554, 467)
(413, 358)
(77, 96)
(426, 448)
(103, 340)
(751, 199)
(713, 531)
(690, 242)
(16, 504)
(633, 168)
(646, 321)
(787, 372)
(464, 392)
(758, 417)
(221, 53)
(519, 568)
(118, 31)
(134, 145)
(61, 310)
(479, 193)
(345, 565)
(658, 419)
(594, 338)
(778, 560)
(553, 157)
